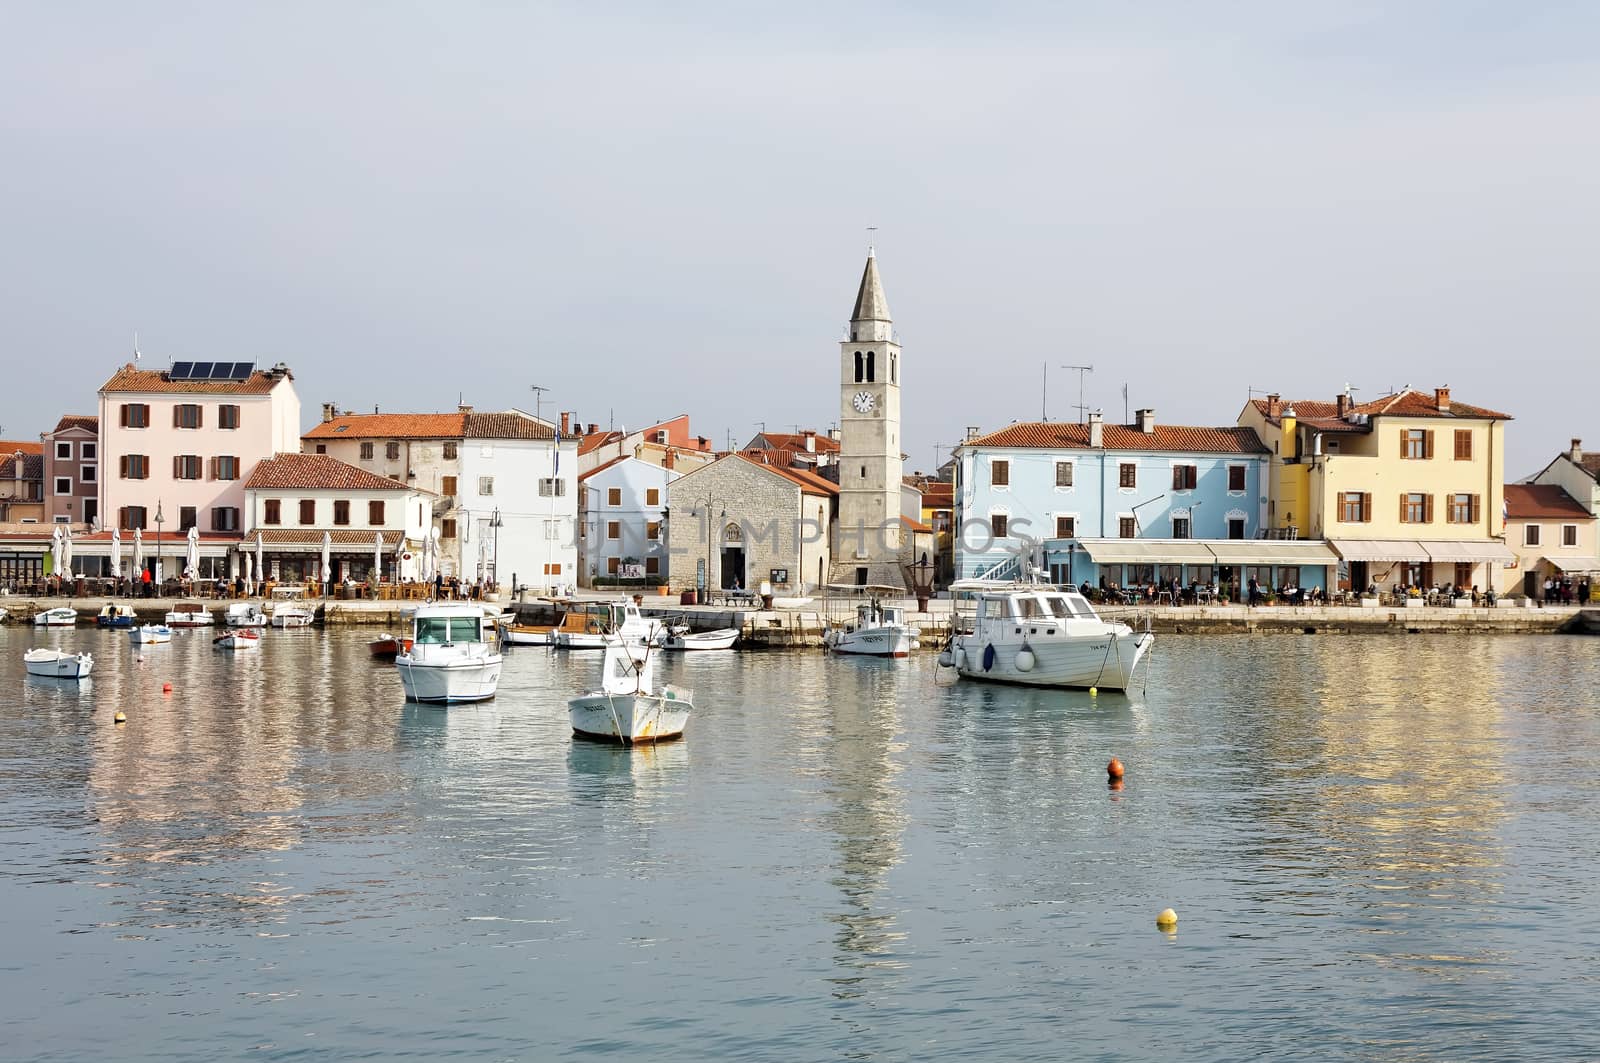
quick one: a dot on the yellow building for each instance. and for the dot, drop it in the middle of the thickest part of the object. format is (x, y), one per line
(1407, 489)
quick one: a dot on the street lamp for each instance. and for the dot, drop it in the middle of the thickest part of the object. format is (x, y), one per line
(494, 563)
(159, 519)
(694, 512)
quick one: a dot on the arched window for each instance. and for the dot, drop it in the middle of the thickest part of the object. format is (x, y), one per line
(894, 368)
(871, 357)
(858, 367)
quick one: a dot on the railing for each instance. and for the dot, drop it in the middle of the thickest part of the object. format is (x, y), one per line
(1007, 568)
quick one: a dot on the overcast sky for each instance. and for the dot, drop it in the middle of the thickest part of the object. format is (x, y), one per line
(662, 208)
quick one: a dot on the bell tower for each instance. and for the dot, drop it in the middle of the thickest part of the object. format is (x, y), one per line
(870, 465)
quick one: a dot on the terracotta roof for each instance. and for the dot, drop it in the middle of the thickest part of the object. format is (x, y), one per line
(915, 525)
(32, 467)
(130, 378)
(392, 426)
(1418, 404)
(1323, 416)
(317, 472)
(507, 425)
(313, 537)
(1165, 437)
(1534, 501)
(88, 422)
(11, 446)
(808, 482)
(792, 441)
(940, 494)
(596, 440)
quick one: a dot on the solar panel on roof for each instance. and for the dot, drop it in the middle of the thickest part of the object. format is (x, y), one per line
(181, 370)
(242, 370)
(222, 371)
(202, 371)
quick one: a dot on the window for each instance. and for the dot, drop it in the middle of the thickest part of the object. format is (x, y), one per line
(894, 369)
(1569, 535)
(652, 496)
(375, 513)
(1530, 535)
(448, 486)
(366, 452)
(187, 518)
(341, 511)
(132, 518)
(613, 565)
(1000, 473)
(613, 496)
(1463, 509)
(186, 467)
(322, 448)
(63, 485)
(186, 415)
(1416, 443)
(88, 451)
(271, 511)
(613, 529)
(225, 518)
(486, 486)
(308, 511)
(858, 367)
(652, 530)
(447, 528)
(1127, 528)
(135, 415)
(1416, 507)
(227, 416)
(1185, 477)
(1066, 527)
(391, 450)
(88, 474)
(63, 451)
(552, 487)
(1127, 474)
(652, 566)
(135, 466)
(1180, 527)
(871, 372)
(1063, 474)
(1463, 444)
(450, 450)
(1236, 527)
(225, 467)
(997, 525)
(1355, 507)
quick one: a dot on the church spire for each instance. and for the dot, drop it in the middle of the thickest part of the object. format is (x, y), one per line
(870, 302)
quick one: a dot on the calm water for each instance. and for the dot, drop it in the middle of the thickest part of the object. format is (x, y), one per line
(1379, 849)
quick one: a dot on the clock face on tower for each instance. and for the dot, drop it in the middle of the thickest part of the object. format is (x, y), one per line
(863, 402)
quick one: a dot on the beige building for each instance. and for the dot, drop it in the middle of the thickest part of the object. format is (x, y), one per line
(1552, 536)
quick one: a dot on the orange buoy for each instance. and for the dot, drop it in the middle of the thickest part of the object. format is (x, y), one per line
(1114, 769)
(166, 688)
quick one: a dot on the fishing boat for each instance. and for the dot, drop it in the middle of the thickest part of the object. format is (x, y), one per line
(243, 638)
(146, 634)
(114, 615)
(877, 630)
(680, 638)
(531, 634)
(387, 647)
(1038, 635)
(595, 625)
(58, 664)
(627, 708)
(244, 614)
(189, 614)
(292, 614)
(60, 616)
(452, 657)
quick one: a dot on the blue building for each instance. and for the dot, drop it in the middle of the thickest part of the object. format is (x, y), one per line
(1129, 505)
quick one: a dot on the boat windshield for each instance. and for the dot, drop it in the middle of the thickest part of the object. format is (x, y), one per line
(432, 629)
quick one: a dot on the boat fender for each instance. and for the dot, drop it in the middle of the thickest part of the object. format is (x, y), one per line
(947, 659)
(961, 657)
(1025, 658)
(988, 657)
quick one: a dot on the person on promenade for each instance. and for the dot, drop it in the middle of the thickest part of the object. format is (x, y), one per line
(1255, 592)
(1549, 586)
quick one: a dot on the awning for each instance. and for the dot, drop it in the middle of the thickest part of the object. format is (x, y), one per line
(1145, 551)
(1312, 552)
(1574, 565)
(1468, 552)
(1379, 549)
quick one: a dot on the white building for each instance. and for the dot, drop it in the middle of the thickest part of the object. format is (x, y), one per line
(517, 503)
(622, 506)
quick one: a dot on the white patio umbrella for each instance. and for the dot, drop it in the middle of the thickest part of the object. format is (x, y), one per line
(261, 558)
(191, 563)
(399, 554)
(377, 557)
(436, 552)
(138, 553)
(249, 577)
(327, 567)
(55, 550)
(116, 553)
(483, 558)
(65, 567)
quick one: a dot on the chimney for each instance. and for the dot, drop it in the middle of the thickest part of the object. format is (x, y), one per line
(811, 441)
(1342, 403)
(1576, 453)
(329, 412)
(1441, 399)
(1273, 407)
(1146, 419)
(593, 428)
(669, 459)
(973, 431)
(833, 434)
(566, 424)
(1097, 430)
(463, 408)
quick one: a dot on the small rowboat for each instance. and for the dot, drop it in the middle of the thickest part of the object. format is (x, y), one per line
(386, 646)
(243, 638)
(58, 664)
(681, 638)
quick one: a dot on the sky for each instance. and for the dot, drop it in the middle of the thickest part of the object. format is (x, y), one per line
(654, 209)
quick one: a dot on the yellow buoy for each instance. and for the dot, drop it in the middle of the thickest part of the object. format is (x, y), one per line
(1094, 692)
(119, 718)
(1167, 918)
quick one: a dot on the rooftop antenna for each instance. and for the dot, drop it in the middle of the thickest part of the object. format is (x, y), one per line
(136, 354)
(1083, 371)
(1125, 402)
(538, 399)
(870, 251)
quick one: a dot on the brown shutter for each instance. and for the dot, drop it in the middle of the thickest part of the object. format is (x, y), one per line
(123, 414)
(122, 514)
(1475, 501)
(1427, 503)
(123, 472)
(1177, 477)
(1403, 442)
(1403, 519)
(199, 416)
(1366, 507)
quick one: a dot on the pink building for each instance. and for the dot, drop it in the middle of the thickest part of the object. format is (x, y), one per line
(182, 442)
(72, 470)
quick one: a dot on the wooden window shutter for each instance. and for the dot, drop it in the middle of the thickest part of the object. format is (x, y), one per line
(1403, 514)
(1427, 502)
(124, 415)
(1404, 444)
(1475, 508)
(177, 416)
(1177, 477)
(1427, 445)
(122, 514)
(199, 416)
(123, 461)
(1366, 507)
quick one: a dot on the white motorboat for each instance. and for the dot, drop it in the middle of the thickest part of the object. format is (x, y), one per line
(238, 639)
(292, 614)
(452, 657)
(1041, 636)
(190, 614)
(680, 638)
(595, 625)
(245, 614)
(60, 616)
(146, 634)
(627, 708)
(878, 630)
(115, 615)
(58, 664)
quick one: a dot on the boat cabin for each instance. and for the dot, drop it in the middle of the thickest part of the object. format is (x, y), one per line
(602, 618)
(1026, 611)
(441, 627)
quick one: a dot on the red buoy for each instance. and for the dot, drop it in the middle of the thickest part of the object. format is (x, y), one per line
(166, 688)
(1114, 769)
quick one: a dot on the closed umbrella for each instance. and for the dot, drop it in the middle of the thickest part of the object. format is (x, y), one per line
(377, 557)
(399, 555)
(261, 558)
(249, 578)
(55, 551)
(138, 553)
(66, 552)
(327, 567)
(116, 553)
(191, 562)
